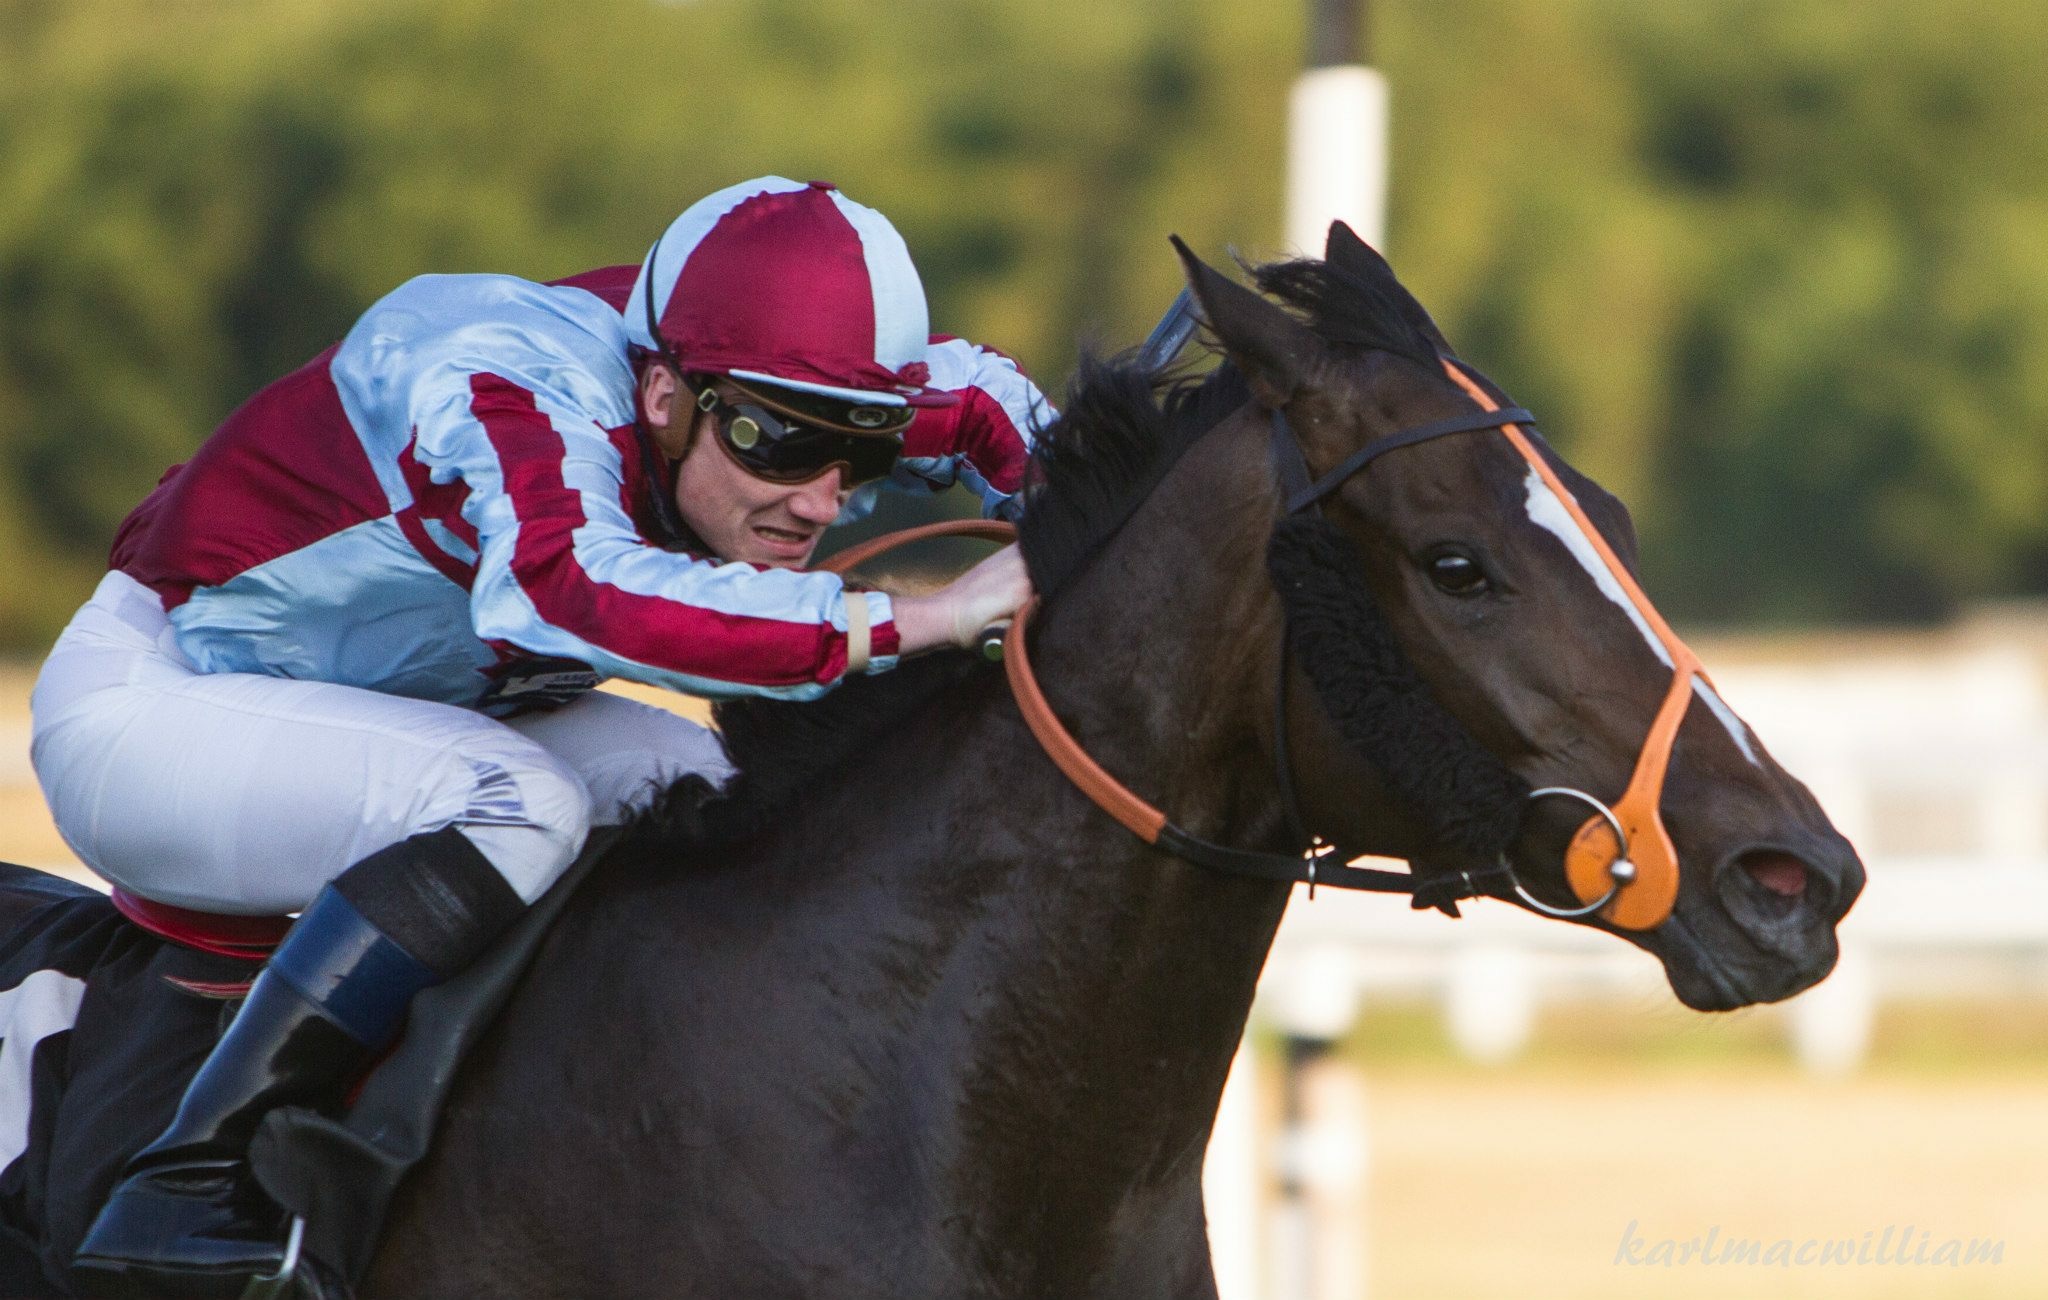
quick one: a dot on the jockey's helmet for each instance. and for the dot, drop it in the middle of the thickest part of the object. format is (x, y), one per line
(796, 294)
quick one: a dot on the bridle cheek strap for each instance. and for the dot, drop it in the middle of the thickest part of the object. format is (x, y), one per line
(1643, 902)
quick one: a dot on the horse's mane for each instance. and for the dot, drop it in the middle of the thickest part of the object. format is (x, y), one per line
(784, 748)
(1122, 429)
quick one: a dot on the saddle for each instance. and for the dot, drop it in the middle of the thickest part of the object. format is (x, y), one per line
(339, 1174)
(248, 938)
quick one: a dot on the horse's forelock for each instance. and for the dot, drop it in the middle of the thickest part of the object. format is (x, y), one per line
(1345, 307)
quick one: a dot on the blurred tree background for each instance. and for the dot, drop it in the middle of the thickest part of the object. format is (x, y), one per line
(1774, 270)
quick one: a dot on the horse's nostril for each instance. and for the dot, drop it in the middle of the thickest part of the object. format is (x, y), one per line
(1781, 873)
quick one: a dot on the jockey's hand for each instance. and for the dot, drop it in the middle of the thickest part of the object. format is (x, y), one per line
(956, 613)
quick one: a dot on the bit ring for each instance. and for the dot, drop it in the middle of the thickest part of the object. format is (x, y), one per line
(1621, 871)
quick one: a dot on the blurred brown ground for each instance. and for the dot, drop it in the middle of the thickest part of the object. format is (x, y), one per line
(1521, 1182)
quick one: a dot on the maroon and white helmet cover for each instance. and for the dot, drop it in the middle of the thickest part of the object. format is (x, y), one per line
(789, 283)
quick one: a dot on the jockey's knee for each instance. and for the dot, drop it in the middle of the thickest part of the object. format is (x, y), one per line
(528, 818)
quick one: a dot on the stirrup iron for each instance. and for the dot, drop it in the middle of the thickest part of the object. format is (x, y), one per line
(279, 1285)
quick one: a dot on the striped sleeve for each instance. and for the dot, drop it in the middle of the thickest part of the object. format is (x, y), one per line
(563, 571)
(984, 442)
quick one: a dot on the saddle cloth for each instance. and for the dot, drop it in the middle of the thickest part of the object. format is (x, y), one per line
(339, 1173)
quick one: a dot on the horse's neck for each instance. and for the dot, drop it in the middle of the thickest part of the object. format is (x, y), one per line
(1162, 653)
(1120, 977)
(945, 965)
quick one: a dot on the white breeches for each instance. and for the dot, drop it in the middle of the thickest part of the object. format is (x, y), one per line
(231, 792)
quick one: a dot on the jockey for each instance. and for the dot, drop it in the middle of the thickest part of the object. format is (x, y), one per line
(343, 662)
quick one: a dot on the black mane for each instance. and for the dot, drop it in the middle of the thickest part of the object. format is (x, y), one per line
(1122, 429)
(784, 749)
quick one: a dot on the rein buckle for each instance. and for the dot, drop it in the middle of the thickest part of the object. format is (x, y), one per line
(1318, 849)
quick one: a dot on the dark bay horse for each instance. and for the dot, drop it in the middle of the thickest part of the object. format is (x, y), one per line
(908, 1016)
(903, 1013)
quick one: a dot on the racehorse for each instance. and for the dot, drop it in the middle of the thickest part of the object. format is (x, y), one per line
(904, 1013)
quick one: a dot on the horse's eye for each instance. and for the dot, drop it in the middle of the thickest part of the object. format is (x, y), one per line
(1456, 574)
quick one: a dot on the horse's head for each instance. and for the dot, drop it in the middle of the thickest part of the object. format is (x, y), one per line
(1473, 638)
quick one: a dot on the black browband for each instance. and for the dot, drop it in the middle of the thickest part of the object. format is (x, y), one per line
(1300, 494)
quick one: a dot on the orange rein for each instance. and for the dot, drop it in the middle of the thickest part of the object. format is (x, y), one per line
(1107, 793)
(986, 530)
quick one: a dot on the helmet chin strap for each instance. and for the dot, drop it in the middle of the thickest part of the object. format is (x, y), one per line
(657, 467)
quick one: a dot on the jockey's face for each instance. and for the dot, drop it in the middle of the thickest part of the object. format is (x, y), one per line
(741, 516)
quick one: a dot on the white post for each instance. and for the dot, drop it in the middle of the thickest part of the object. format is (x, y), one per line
(1314, 998)
(1336, 1169)
(1232, 1178)
(1832, 1021)
(1337, 132)
(1337, 155)
(1490, 1001)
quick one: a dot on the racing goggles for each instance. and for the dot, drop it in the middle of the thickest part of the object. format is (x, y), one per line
(775, 440)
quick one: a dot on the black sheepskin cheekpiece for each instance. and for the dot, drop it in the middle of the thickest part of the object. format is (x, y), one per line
(1468, 802)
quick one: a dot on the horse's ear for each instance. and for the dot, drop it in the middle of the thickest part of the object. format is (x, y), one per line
(1272, 350)
(1345, 249)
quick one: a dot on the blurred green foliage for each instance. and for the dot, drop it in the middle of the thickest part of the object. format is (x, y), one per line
(1772, 269)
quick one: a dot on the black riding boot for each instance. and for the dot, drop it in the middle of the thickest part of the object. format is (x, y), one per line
(187, 1220)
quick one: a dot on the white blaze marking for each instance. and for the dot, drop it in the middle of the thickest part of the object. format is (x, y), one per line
(1736, 727)
(1548, 512)
(44, 1003)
